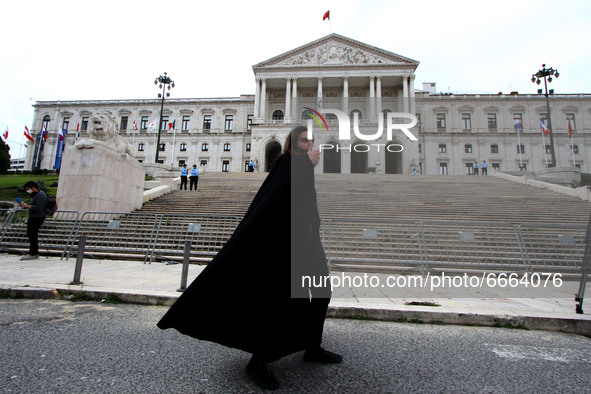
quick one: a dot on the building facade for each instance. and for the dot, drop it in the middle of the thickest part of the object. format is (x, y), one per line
(371, 86)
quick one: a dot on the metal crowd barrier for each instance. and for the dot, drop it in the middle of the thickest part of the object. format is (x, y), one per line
(471, 245)
(207, 234)
(556, 247)
(373, 243)
(55, 233)
(579, 297)
(115, 233)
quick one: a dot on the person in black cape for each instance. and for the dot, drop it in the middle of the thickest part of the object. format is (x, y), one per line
(250, 296)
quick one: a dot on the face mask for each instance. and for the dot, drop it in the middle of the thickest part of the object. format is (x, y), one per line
(30, 191)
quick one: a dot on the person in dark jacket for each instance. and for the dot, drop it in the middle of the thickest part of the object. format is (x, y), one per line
(249, 296)
(36, 218)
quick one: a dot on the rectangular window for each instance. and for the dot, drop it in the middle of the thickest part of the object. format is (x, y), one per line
(442, 148)
(574, 149)
(206, 122)
(544, 118)
(442, 168)
(548, 149)
(123, 123)
(65, 124)
(496, 166)
(249, 120)
(184, 147)
(144, 123)
(466, 121)
(494, 148)
(420, 148)
(492, 121)
(246, 168)
(227, 147)
(469, 168)
(203, 163)
(181, 162)
(578, 165)
(523, 167)
(248, 147)
(571, 118)
(520, 148)
(84, 124)
(229, 122)
(204, 147)
(441, 121)
(140, 147)
(226, 166)
(468, 148)
(164, 125)
(186, 121)
(518, 117)
(162, 147)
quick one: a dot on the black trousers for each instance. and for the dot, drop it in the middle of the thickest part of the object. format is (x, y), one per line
(33, 226)
(194, 180)
(183, 182)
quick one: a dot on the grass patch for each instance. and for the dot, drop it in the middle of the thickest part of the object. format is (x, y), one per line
(112, 298)
(81, 296)
(10, 182)
(508, 324)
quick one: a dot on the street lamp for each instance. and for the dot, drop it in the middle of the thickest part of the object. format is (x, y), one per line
(547, 73)
(164, 81)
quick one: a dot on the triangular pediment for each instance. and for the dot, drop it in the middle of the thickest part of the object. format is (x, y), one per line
(335, 50)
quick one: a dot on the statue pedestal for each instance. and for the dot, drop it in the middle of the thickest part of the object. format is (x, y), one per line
(99, 180)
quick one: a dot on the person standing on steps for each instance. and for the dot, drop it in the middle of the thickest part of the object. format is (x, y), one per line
(184, 175)
(194, 177)
(36, 218)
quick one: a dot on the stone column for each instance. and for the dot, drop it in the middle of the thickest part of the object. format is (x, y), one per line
(346, 95)
(257, 97)
(263, 99)
(294, 101)
(319, 94)
(287, 119)
(404, 94)
(412, 95)
(378, 96)
(372, 98)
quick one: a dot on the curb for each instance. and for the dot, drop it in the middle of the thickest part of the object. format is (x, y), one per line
(566, 325)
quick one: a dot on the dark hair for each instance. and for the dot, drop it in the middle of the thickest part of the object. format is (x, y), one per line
(30, 185)
(292, 139)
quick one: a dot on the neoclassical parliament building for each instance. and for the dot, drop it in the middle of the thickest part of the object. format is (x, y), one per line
(334, 72)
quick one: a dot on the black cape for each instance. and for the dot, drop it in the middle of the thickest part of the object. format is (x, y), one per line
(243, 298)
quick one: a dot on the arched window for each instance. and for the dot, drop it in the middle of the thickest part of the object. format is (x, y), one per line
(330, 116)
(307, 114)
(278, 115)
(45, 124)
(357, 112)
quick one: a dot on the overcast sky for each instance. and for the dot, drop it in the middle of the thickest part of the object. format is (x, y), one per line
(68, 50)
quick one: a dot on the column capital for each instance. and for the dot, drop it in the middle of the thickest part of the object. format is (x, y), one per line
(371, 77)
(320, 78)
(405, 77)
(346, 78)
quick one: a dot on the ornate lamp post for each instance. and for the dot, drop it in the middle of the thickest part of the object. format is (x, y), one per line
(164, 81)
(546, 74)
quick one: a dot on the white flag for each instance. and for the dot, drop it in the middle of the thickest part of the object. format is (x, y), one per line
(153, 125)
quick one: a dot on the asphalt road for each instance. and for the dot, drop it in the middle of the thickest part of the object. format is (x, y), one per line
(66, 347)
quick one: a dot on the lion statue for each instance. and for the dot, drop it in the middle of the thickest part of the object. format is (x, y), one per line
(103, 132)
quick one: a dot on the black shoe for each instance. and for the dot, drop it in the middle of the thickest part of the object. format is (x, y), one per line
(322, 356)
(262, 375)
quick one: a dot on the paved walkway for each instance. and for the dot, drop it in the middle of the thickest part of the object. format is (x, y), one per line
(552, 308)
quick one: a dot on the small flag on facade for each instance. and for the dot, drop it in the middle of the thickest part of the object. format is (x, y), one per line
(61, 133)
(5, 134)
(134, 126)
(152, 126)
(326, 15)
(570, 130)
(28, 135)
(544, 127)
(518, 125)
(171, 125)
